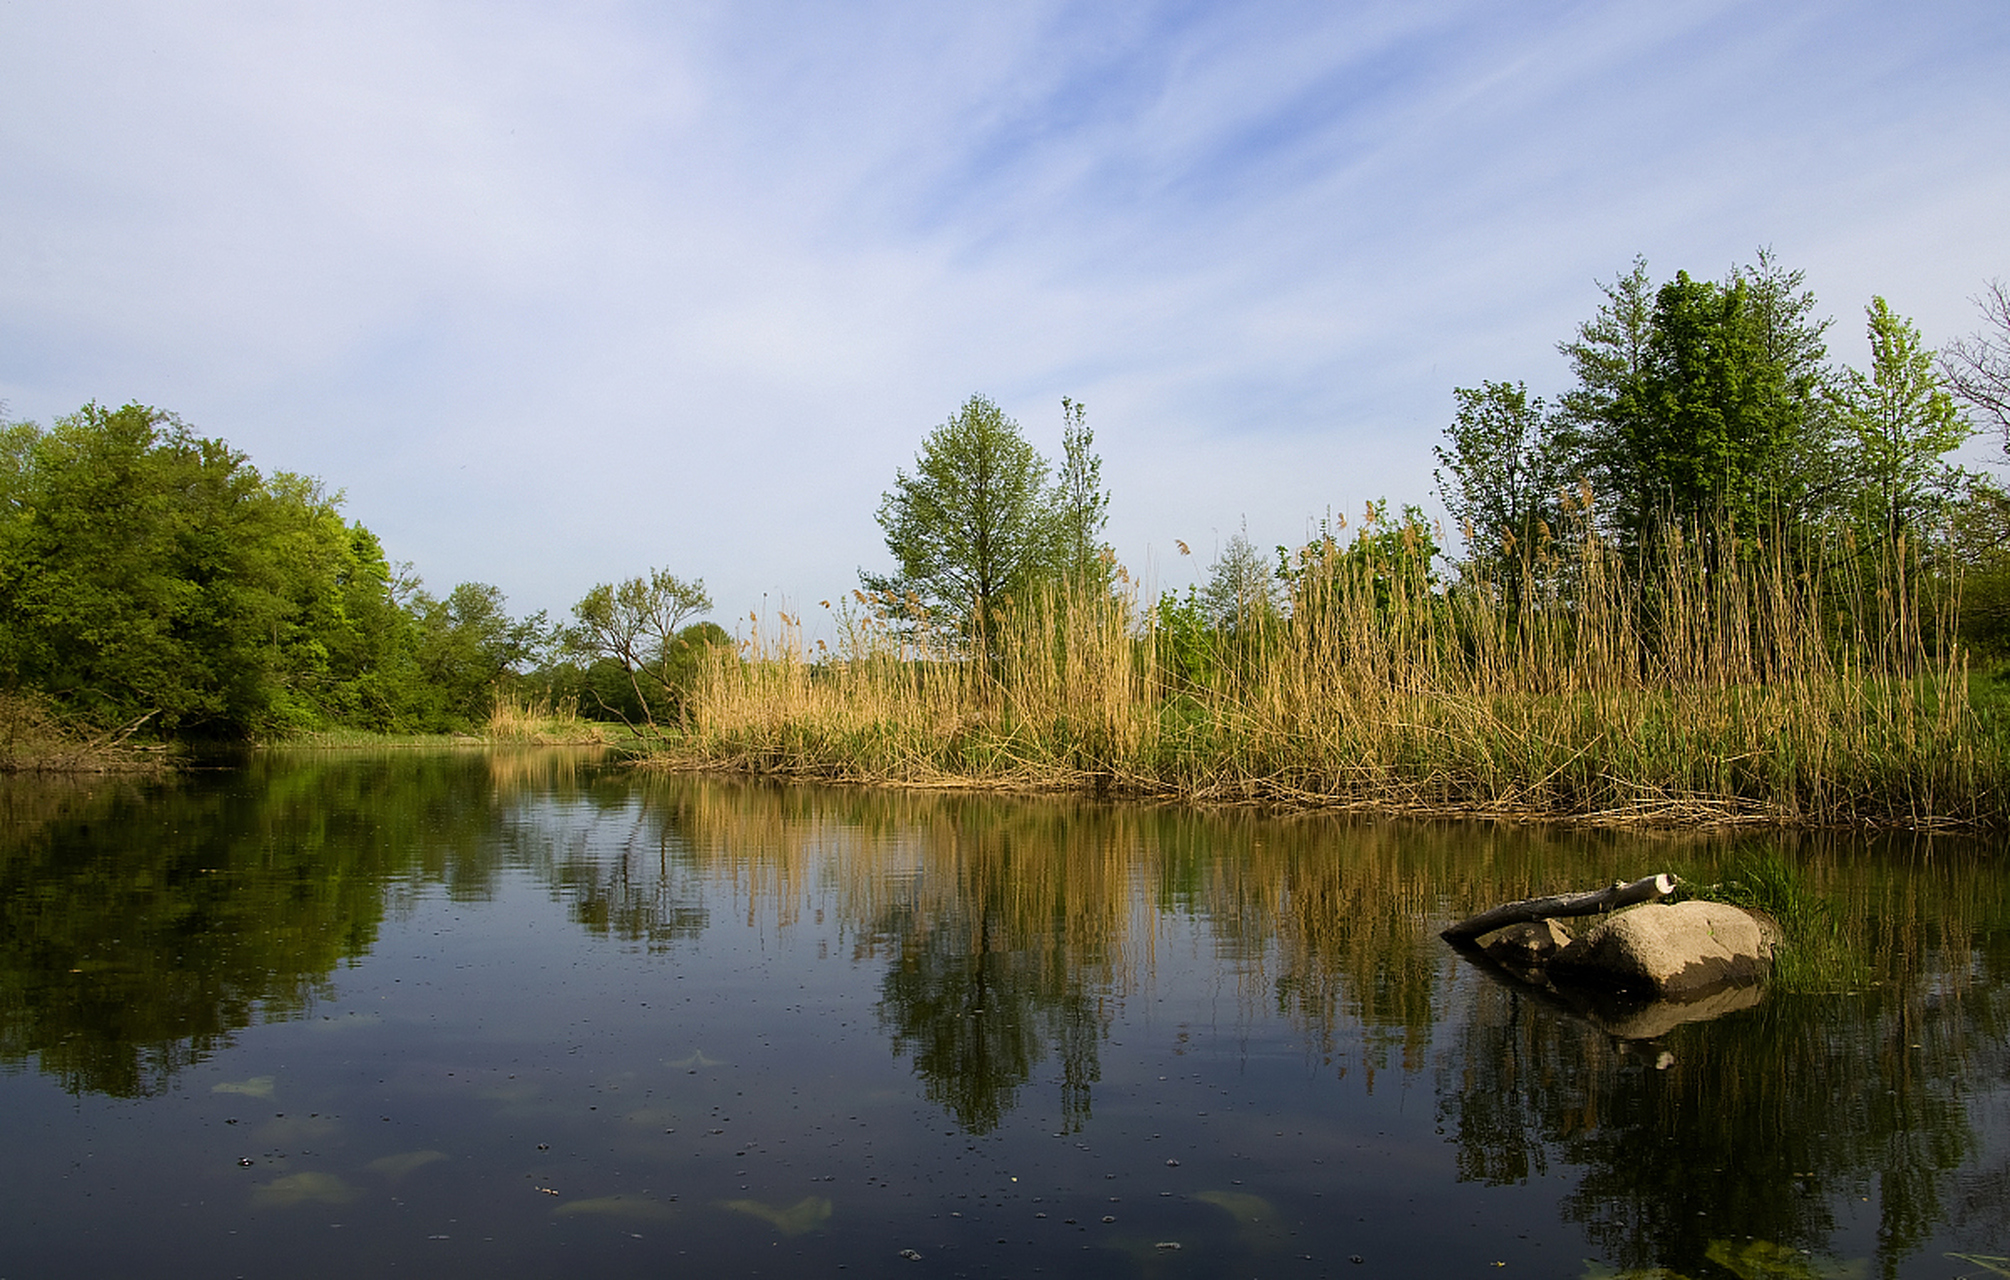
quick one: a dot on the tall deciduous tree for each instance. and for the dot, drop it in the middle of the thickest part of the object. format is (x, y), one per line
(1699, 400)
(468, 642)
(973, 525)
(1900, 423)
(1712, 434)
(1608, 356)
(1499, 469)
(1793, 338)
(1081, 505)
(1242, 586)
(149, 572)
(638, 624)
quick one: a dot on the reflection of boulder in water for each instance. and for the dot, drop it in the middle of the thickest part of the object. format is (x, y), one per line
(1635, 1017)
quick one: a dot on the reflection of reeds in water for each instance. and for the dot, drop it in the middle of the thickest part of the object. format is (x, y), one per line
(1045, 912)
(513, 771)
(1044, 879)
(1330, 920)
(1327, 919)
(1727, 683)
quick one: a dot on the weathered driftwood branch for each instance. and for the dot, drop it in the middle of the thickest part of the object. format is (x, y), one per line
(1562, 904)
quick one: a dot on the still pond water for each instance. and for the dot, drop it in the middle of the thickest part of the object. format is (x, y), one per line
(527, 1014)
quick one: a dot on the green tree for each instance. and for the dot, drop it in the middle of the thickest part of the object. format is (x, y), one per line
(1711, 433)
(1499, 470)
(1081, 504)
(972, 526)
(1242, 587)
(637, 624)
(465, 644)
(1808, 470)
(1900, 423)
(154, 574)
(1608, 356)
(372, 672)
(149, 574)
(1699, 401)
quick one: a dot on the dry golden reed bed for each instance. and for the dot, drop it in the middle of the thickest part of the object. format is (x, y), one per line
(1727, 684)
(540, 721)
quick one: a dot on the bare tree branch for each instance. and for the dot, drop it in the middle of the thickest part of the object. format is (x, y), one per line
(1977, 368)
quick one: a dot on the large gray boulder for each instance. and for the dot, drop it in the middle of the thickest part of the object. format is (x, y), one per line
(1672, 949)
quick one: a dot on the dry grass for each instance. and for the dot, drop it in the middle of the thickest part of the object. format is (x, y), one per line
(540, 721)
(1728, 684)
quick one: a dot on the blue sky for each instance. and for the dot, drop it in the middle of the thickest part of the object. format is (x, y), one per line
(558, 292)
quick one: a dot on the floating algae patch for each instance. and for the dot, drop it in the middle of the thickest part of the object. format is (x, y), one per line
(652, 1116)
(397, 1166)
(1240, 1205)
(631, 1207)
(696, 1059)
(303, 1188)
(1254, 1216)
(256, 1087)
(806, 1214)
(1765, 1260)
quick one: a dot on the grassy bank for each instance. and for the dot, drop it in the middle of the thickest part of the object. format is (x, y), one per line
(515, 719)
(1726, 684)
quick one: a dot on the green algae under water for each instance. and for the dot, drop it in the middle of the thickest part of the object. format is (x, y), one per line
(524, 1013)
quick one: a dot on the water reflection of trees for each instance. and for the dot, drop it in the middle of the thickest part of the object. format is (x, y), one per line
(1040, 912)
(1001, 954)
(141, 924)
(134, 941)
(1802, 1102)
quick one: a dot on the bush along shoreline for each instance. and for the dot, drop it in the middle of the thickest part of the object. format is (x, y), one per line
(1707, 679)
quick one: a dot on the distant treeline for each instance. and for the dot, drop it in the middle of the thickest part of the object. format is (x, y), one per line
(153, 577)
(150, 576)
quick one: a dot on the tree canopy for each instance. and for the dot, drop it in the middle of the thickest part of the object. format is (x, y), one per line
(1712, 403)
(151, 575)
(638, 626)
(977, 522)
(1900, 423)
(1696, 400)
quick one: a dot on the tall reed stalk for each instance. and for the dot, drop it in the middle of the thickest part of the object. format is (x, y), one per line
(1729, 680)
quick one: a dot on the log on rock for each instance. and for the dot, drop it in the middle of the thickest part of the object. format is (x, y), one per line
(1649, 889)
